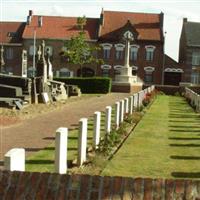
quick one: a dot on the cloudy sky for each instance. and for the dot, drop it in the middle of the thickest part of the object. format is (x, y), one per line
(174, 11)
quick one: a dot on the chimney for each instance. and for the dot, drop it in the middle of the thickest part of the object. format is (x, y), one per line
(29, 17)
(102, 17)
(30, 12)
(184, 20)
(28, 20)
(40, 21)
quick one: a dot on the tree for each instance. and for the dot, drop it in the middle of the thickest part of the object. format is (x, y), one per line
(78, 51)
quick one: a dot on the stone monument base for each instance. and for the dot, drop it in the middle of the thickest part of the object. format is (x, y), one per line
(126, 87)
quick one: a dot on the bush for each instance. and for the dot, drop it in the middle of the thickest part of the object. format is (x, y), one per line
(94, 85)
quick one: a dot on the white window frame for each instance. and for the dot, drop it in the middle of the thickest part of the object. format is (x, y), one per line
(134, 48)
(196, 58)
(150, 52)
(65, 70)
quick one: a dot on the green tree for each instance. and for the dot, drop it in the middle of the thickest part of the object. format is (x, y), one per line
(78, 50)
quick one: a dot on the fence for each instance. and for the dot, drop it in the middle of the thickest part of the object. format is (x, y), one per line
(193, 97)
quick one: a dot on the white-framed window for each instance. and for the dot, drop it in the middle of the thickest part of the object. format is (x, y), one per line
(106, 50)
(196, 58)
(195, 79)
(64, 72)
(105, 70)
(150, 52)
(134, 52)
(31, 50)
(9, 53)
(119, 51)
(117, 69)
(148, 76)
(50, 49)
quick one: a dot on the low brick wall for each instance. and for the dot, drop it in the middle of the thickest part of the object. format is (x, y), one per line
(126, 88)
(40, 186)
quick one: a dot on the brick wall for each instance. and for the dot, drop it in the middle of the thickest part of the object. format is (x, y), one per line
(40, 186)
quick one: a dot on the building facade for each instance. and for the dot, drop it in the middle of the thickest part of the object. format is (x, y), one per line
(189, 51)
(147, 58)
(11, 43)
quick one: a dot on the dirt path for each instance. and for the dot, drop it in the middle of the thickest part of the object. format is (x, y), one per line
(36, 133)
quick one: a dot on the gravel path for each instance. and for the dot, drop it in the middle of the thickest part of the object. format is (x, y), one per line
(36, 133)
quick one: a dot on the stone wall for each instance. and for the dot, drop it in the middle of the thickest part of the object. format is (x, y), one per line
(26, 185)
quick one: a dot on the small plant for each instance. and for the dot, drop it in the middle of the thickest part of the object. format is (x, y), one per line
(177, 94)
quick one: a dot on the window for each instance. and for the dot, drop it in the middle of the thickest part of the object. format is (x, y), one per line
(64, 72)
(196, 58)
(119, 54)
(106, 50)
(195, 77)
(133, 52)
(149, 52)
(31, 50)
(148, 76)
(9, 53)
(117, 69)
(105, 70)
(119, 50)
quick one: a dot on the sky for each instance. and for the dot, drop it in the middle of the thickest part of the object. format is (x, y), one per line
(174, 12)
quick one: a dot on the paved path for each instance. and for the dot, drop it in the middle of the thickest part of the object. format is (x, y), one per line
(166, 143)
(34, 134)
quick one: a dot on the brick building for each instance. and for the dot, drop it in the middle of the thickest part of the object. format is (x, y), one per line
(11, 41)
(147, 58)
(189, 51)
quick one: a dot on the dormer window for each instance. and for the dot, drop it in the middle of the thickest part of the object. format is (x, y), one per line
(134, 52)
(106, 50)
(150, 52)
(119, 49)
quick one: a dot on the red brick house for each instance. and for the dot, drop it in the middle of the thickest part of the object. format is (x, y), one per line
(146, 53)
(55, 31)
(146, 57)
(189, 51)
(11, 40)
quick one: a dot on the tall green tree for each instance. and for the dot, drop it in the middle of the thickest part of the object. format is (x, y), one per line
(78, 50)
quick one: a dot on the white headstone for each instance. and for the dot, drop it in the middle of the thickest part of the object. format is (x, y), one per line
(14, 160)
(108, 119)
(82, 141)
(97, 129)
(117, 112)
(45, 97)
(61, 150)
(121, 111)
(130, 104)
(126, 106)
(135, 103)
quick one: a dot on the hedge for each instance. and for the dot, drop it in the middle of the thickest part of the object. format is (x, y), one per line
(90, 85)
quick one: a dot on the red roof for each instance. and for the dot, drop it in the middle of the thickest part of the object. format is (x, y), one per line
(147, 25)
(60, 28)
(11, 32)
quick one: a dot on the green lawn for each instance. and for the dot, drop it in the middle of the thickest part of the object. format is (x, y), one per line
(166, 143)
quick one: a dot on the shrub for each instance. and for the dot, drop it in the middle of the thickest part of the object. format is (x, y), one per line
(92, 85)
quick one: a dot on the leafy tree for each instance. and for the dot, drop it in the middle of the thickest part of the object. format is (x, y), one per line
(78, 51)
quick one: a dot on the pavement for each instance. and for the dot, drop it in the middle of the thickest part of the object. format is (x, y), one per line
(36, 133)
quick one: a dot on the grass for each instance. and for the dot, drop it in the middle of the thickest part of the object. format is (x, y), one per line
(43, 160)
(166, 143)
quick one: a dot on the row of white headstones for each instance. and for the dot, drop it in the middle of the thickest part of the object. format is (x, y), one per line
(194, 98)
(14, 160)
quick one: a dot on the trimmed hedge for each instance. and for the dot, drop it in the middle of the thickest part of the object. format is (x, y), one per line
(90, 85)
